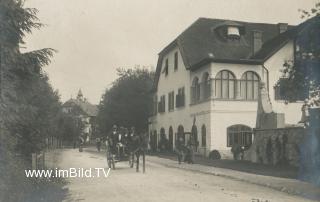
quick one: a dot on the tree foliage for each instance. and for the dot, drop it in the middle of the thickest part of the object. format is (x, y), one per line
(128, 101)
(303, 74)
(30, 109)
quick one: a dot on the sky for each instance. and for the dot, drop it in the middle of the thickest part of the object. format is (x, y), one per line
(95, 37)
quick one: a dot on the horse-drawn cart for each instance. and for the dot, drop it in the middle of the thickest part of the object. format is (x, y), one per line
(117, 152)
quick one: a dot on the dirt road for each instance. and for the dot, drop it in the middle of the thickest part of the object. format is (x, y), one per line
(159, 183)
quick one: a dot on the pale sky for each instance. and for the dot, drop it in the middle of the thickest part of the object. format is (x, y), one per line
(94, 37)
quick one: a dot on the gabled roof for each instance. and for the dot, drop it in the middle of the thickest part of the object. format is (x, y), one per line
(201, 44)
(85, 106)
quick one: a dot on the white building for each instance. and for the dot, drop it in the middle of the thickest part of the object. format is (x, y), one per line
(84, 111)
(210, 74)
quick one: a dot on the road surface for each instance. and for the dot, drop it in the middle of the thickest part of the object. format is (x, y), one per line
(159, 183)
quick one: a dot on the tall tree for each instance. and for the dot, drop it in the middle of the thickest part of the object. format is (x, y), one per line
(28, 104)
(303, 74)
(128, 101)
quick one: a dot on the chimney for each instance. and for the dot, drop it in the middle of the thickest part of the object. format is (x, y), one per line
(257, 41)
(282, 27)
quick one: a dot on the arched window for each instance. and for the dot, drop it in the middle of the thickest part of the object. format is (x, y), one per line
(203, 136)
(225, 85)
(194, 133)
(171, 137)
(162, 133)
(239, 135)
(249, 86)
(195, 90)
(181, 132)
(206, 85)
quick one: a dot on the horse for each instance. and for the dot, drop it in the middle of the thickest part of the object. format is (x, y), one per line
(138, 147)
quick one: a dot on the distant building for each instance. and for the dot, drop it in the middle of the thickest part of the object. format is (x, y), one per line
(207, 81)
(85, 111)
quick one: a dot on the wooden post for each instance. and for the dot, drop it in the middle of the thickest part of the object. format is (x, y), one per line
(144, 162)
(34, 161)
(43, 159)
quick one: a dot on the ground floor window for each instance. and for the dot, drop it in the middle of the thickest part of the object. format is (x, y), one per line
(203, 135)
(239, 135)
(171, 138)
(181, 132)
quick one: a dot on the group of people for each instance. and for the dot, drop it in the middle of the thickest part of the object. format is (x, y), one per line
(184, 151)
(119, 140)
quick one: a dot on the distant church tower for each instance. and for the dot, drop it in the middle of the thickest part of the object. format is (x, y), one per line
(80, 95)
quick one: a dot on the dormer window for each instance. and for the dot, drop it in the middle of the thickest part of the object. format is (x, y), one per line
(229, 31)
(233, 33)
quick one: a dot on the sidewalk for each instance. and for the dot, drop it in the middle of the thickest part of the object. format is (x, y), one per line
(244, 166)
(290, 186)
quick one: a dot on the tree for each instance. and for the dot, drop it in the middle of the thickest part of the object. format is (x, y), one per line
(128, 101)
(303, 78)
(70, 127)
(28, 105)
(303, 74)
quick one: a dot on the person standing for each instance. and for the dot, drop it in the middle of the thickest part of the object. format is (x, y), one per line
(180, 148)
(98, 144)
(192, 144)
(113, 139)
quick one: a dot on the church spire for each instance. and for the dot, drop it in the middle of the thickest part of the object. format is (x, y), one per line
(80, 95)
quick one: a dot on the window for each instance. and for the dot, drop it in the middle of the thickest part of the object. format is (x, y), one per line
(175, 61)
(162, 104)
(194, 135)
(239, 135)
(166, 67)
(171, 101)
(206, 86)
(203, 136)
(278, 91)
(162, 133)
(171, 138)
(180, 132)
(155, 103)
(249, 86)
(195, 91)
(180, 98)
(225, 85)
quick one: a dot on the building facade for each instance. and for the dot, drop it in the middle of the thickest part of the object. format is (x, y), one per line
(207, 81)
(85, 112)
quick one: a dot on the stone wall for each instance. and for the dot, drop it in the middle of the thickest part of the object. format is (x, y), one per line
(276, 146)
